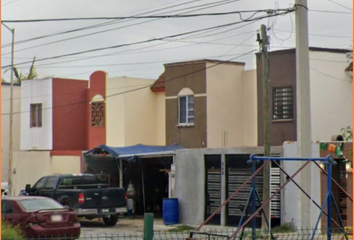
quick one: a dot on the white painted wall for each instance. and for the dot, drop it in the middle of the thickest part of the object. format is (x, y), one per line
(37, 91)
(291, 195)
(5, 125)
(331, 95)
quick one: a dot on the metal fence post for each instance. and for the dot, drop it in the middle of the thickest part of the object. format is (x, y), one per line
(148, 226)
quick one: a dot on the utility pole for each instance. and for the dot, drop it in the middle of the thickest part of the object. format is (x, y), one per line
(263, 42)
(303, 106)
(11, 110)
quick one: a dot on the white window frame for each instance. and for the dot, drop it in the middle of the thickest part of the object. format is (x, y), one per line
(188, 117)
(36, 112)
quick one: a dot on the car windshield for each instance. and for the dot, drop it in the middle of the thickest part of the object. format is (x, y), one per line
(32, 205)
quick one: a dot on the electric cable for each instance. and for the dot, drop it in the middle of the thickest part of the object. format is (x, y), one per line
(140, 88)
(141, 42)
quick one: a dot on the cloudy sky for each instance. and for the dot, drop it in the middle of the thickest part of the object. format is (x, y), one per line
(330, 26)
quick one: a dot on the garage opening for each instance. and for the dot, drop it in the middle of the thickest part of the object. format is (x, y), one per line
(146, 168)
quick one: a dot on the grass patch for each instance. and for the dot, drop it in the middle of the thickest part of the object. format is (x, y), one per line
(284, 228)
(10, 232)
(182, 228)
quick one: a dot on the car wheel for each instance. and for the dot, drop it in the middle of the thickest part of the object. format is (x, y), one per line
(110, 220)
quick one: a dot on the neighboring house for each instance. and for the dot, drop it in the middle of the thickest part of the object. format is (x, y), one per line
(331, 94)
(209, 104)
(5, 125)
(61, 118)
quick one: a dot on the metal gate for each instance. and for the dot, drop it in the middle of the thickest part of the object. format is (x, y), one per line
(213, 186)
(275, 203)
(238, 172)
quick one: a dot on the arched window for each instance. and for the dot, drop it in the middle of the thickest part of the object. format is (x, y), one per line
(185, 107)
(97, 111)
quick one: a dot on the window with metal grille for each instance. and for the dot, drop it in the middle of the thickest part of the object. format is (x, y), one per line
(283, 103)
(36, 115)
(97, 114)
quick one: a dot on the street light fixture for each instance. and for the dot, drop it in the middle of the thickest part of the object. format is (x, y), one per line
(12, 30)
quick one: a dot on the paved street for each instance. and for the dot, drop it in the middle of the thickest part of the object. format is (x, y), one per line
(124, 226)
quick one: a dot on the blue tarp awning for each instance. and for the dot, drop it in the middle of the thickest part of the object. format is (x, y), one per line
(133, 152)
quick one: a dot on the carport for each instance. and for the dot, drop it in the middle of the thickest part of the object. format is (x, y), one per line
(148, 168)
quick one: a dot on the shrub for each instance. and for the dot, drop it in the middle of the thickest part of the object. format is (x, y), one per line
(9, 232)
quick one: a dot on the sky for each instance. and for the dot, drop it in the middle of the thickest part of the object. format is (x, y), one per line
(330, 26)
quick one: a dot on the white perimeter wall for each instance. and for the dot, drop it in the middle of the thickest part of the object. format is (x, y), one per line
(292, 195)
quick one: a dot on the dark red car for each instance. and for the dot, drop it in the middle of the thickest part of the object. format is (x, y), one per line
(40, 217)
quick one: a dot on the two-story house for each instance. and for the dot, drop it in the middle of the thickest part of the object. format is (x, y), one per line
(210, 104)
(61, 118)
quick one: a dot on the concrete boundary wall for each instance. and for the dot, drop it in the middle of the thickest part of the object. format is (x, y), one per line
(30, 166)
(190, 180)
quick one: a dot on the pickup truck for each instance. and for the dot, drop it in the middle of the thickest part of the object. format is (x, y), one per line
(84, 193)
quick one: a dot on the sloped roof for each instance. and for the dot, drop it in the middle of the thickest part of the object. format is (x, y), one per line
(159, 84)
(349, 68)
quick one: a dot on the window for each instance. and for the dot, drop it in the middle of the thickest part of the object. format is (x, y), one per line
(40, 183)
(97, 114)
(6, 207)
(36, 115)
(51, 183)
(186, 109)
(282, 103)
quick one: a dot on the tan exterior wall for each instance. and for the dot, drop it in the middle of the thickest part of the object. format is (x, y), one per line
(31, 166)
(66, 164)
(5, 126)
(131, 117)
(249, 99)
(160, 119)
(225, 105)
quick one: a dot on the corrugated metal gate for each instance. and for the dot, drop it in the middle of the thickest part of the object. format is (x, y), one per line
(213, 186)
(237, 172)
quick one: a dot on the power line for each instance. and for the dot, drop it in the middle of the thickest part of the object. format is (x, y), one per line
(146, 41)
(96, 25)
(326, 11)
(140, 88)
(200, 7)
(142, 17)
(341, 5)
(320, 35)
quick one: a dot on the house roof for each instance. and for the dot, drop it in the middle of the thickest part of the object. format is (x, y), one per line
(312, 49)
(349, 68)
(8, 84)
(159, 84)
(203, 61)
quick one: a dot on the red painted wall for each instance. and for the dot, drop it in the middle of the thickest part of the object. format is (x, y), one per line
(96, 135)
(69, 114)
